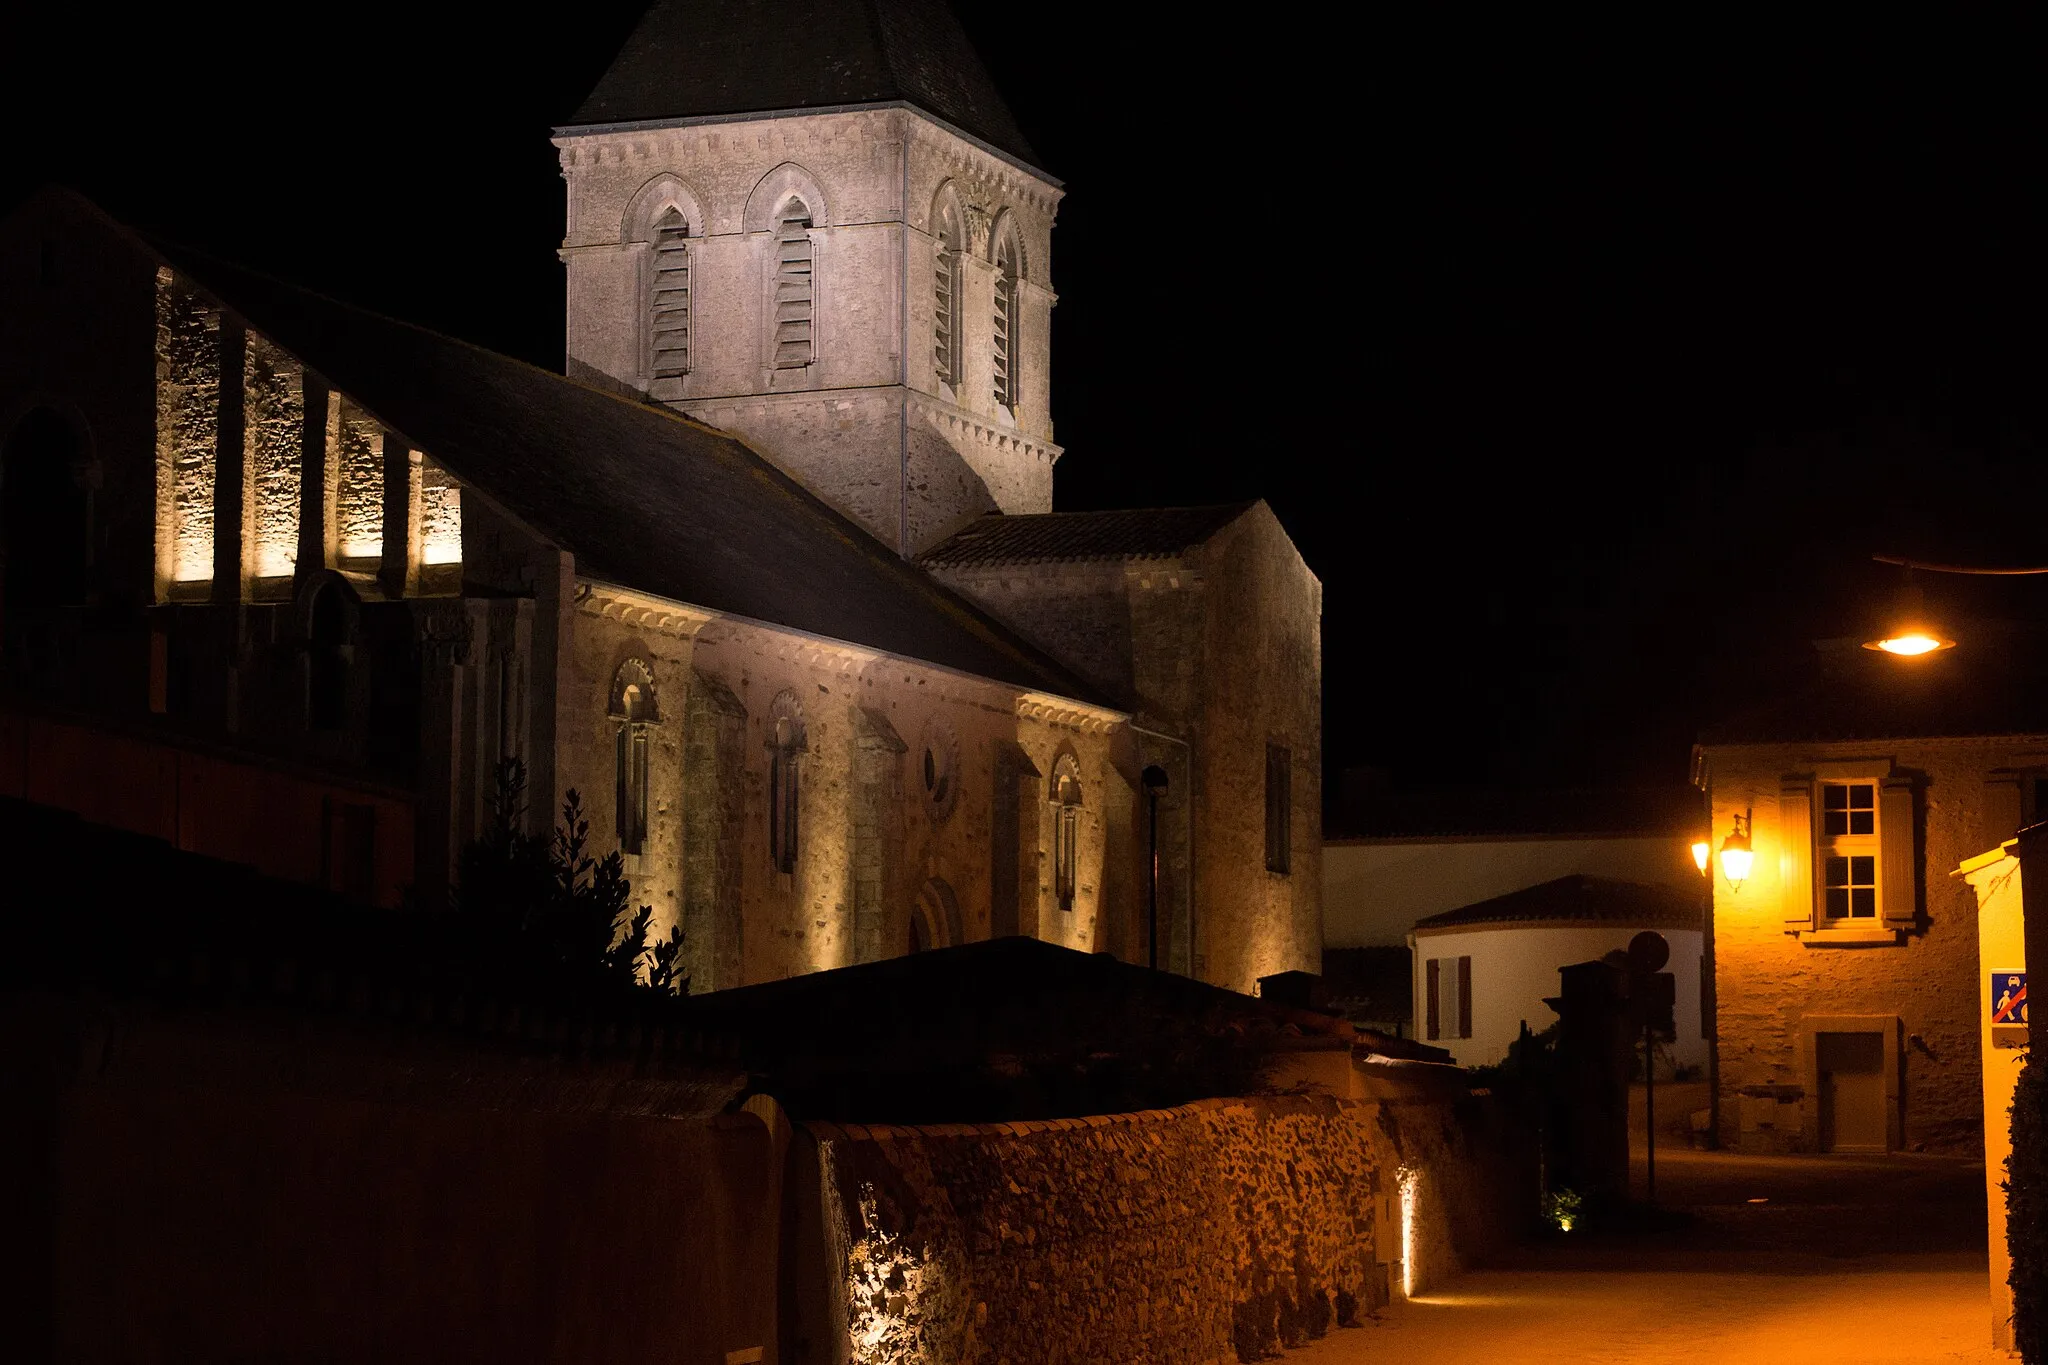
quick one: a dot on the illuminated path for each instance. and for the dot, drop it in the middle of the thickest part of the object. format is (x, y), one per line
(1851, 1261)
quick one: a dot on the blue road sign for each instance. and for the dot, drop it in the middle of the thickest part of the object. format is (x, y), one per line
(2008, 997)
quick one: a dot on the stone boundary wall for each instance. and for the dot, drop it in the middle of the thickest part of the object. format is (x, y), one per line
(1223, 1230)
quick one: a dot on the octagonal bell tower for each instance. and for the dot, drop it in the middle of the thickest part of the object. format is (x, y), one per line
(817, 226)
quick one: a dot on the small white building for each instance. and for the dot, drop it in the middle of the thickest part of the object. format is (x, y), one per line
(1401, 859)
(1483, 970)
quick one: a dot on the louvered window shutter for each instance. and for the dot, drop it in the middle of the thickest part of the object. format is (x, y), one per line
(1898, 890)
(1432, 1019)
(795, 292)
(1795, 852)
(669, 298)
(1464, 997)
(946, 303)
(1006, 325)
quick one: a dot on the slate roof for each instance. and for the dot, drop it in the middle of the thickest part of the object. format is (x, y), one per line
(643, 498)
(1144, 533)
(694, 58)
(1579, 898)
(1990, 684)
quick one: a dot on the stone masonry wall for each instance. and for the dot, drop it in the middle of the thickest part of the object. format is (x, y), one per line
(1222, 1230)
(1771, 982)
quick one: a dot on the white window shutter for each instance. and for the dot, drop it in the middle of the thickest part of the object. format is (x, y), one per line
(1795, 852)
(1898, 877)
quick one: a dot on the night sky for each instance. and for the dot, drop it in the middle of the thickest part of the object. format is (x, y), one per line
(1586, 365)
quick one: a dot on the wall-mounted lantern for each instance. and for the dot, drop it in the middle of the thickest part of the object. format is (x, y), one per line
(1702, 849)
(1736, 854)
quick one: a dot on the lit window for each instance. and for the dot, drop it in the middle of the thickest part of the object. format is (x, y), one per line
(1066, 830)
(633, 714)
(668, 298)
(786, 745)
(1849, 850)
(795, 288)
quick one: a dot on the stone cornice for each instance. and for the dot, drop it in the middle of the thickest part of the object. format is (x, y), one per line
(602, 143)
(956, 420)
(642, 611)
(1068, 713)
(646, 611)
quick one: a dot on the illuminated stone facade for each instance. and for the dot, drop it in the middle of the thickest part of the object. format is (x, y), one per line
(871, 424)
(327, 539)
(1787, 974)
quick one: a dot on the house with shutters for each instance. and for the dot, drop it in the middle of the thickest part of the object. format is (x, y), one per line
(1845, 966)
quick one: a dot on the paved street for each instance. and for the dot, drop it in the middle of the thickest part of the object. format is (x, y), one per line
(1848, 1261)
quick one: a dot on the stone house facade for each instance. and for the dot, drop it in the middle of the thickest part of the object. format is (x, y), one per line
(256, 518)
(1846, 964)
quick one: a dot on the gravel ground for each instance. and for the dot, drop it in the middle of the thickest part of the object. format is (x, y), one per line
(1813, 1260)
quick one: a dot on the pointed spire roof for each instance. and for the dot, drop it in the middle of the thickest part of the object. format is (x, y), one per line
(691, 59)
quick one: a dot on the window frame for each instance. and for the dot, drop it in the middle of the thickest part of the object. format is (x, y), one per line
(661, 237)
(1067, 800)
(1850, 846)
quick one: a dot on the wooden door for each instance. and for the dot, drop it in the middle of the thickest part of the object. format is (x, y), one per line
(1852, 1103)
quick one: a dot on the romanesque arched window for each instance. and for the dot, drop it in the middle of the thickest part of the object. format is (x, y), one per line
(46, 492)
(785, 749)
(1066, 829)
(946, 289)
(668, 297)
(795, 287)
(330, 656)
(633, 715)
(1005, 339)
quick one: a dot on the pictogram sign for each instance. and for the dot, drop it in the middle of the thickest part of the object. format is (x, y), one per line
(2008, 997)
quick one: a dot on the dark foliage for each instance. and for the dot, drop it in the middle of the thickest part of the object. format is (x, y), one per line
(2026, 1218)
(569, 906)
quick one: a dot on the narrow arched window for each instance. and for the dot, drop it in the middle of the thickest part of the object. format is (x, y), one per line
(786, 744)
(633, 715)
(1005, 336)
(330, 654)
(668, 297)
(795, 288)
(946, 294)
(1066, 829)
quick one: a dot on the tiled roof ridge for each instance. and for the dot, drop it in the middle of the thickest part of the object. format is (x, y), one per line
(1037, 536)
(1566, 898)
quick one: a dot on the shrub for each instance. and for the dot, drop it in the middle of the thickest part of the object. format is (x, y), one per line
(2026, 1219)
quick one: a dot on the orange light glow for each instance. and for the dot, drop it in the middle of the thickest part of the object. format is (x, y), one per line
(1700, 849)
(1911, 644)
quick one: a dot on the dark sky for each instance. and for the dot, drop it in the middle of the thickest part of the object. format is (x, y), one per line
(1586, 365)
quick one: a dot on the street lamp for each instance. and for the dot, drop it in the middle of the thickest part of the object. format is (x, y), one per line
(1736, 854)
(1910, 635)
(1701, 850)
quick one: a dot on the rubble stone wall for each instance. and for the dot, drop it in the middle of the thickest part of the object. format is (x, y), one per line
(1220, 1231)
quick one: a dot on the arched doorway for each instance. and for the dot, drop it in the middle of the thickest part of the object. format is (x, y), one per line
(935, 919)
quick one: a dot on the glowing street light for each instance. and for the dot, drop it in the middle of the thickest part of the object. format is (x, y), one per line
(1701, 850)
(1736, 854)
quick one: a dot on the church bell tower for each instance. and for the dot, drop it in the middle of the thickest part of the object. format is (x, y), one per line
(817, 226)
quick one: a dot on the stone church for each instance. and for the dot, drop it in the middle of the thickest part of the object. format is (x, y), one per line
(771, 576)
